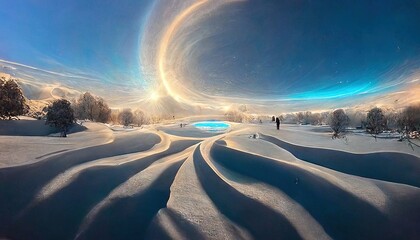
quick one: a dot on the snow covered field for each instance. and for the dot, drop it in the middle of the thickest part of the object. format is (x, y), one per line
(167, 182)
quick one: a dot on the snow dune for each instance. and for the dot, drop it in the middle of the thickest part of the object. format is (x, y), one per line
(174, 183)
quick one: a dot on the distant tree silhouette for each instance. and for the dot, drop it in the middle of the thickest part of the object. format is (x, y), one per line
(12, 101)
(339, 121)
(126, 117)
(357, 118)
(60, 115)
(300, 116)
(324, 118)
(307, 117)
(103, 112)
(236, 116)
(409, 120)
(290, 118)
(139, 117)
(281, 117)
(243, 108)
(375, 121)
(392, 119)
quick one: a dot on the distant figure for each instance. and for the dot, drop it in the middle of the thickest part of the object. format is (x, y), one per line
(260, 121)
(278, 123)
(273, 119)
(180, 125)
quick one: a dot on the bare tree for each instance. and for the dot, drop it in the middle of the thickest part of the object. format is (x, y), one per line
(410, 119)
(307, 117)
(357, 118)
(315, 119)
(300, 117)
(85, 106)
(92, 108)
(104, 112)
(126, 117)
(290, 118)
(235, 116)
(325, 116)
(375, 121)
(281, 117)
(139, 117)
(339, 121)
(392, 120)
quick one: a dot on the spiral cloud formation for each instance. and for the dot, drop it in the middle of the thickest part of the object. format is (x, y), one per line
(211, 54)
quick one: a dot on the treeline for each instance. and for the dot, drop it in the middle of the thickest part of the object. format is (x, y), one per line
(93, 108)
(62, 113)
(374, 121)
(89, 107)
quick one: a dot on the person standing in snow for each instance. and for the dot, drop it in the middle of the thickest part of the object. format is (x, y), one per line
(278, 123)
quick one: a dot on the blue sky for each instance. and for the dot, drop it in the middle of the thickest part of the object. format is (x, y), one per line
(96, 37)
(255, 49)
(299, 46)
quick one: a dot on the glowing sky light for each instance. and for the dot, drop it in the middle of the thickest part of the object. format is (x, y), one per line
(294, 54)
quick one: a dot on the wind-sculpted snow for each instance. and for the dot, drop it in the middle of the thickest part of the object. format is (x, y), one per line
(155, 185)
(386, 164)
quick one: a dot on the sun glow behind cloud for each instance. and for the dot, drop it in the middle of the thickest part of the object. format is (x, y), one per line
(207, 54)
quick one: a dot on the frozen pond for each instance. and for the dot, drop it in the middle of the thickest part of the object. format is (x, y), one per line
(212, 126)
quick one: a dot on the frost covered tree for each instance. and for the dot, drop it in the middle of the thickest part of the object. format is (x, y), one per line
(243, 108)
(235, 116)
(410, 119)
(375, 121)
(338, 122)
(307, 117)
(290, 118)
(300, 117)
(139, 117)
(126, 117)
(315, 118)
(85, 106)
(103, 111)
(357, 118)
(60, 115)
(92, 108)
(325, 116)
(392, 119)
(12, 101)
